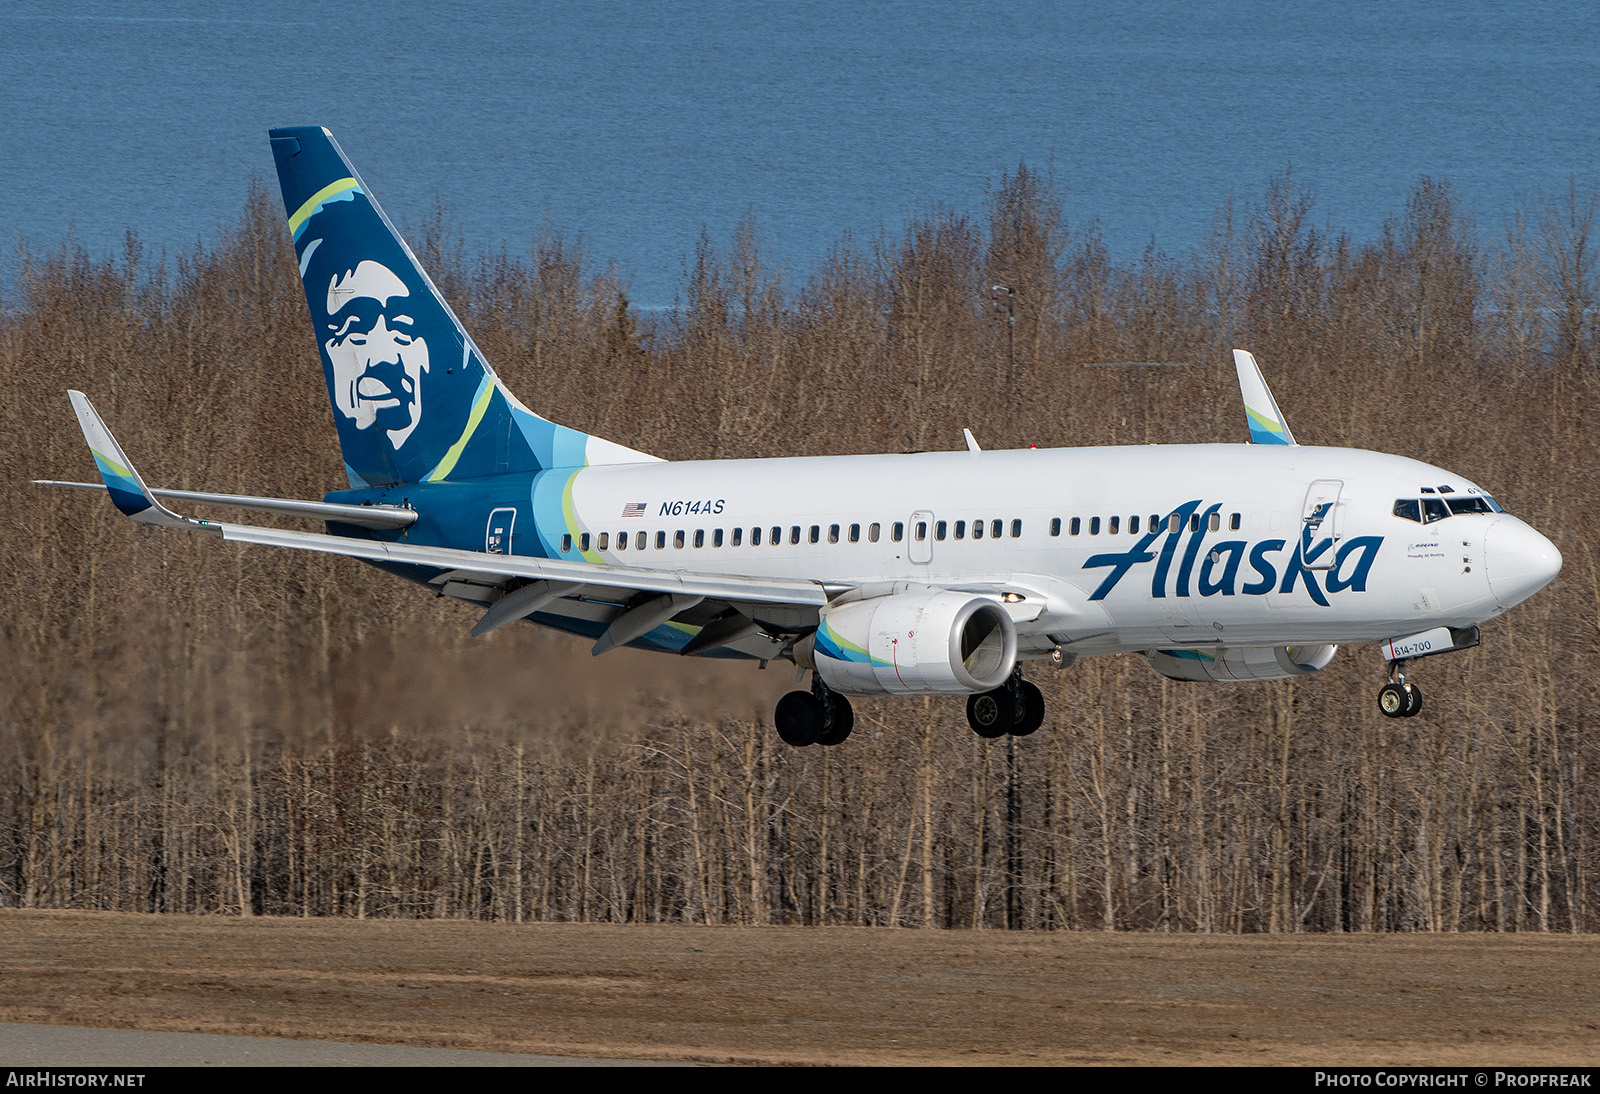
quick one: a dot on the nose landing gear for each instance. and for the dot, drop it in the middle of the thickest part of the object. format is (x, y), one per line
(1398, 699)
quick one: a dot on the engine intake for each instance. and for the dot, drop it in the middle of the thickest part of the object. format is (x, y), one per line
(912, 643)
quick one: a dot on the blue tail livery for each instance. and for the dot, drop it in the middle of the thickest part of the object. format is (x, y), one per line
(413, 398)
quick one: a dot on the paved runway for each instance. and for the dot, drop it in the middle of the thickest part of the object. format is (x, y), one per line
(129, 1050)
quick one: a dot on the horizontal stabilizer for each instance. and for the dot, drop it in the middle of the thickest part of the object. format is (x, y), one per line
(1260, 408)
(365, 516)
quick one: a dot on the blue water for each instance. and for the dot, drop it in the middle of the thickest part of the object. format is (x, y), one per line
(644, 125)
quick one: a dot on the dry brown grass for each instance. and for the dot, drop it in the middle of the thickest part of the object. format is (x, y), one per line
(817, 996)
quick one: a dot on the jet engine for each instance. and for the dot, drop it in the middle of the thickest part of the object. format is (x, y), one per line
(1242, 662)
(916, 642)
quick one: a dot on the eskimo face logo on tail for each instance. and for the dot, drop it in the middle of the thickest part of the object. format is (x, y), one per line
(1217, 573)
(377, 356)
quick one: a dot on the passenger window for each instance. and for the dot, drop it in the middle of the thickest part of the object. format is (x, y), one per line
(1055, 525)
(1094, 526)
(1433, 509)
(922, 530)
(833, 533)
(622, 541)
(1174, 522)
(977, 529)
(855, 533)
(1233, 523)
(1076, 525)
(566, 543)
(755, 537)
(661, 541)
(872, 532)
(1111, 526)
(1194, 522)
(601, 542)
(583, 543)
(897, 531)
(794, 535)
(1155, 523)
(816, 532)
(777, 536)
(1133, 526)
(678, 540)
(994, 528)
(738, 537)
(716, 538)
(1215, 522)
(939, 529)
(961, 529)
(1016, 528)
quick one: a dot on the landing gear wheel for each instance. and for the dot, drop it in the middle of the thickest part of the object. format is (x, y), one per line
(1030, 709)
(992, 714)
(1413, 700)
(842, 722)
(1392, 701)
(799, 718)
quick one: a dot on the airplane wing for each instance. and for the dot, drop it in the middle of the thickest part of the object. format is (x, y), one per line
(634, 601)
(1260, 408)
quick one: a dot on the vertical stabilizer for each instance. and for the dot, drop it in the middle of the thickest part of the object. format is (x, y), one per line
(1260, 408)
(413, 399)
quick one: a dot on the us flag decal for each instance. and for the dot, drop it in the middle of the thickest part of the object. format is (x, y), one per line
(633, 509)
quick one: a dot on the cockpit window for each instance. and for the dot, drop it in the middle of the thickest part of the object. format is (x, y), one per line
(1426, 510)
(1422, 510)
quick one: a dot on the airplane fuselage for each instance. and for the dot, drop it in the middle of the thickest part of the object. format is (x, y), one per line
(1101, 549)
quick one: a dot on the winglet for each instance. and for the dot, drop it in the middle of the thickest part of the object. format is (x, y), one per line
(127, 489)
(1260, 409)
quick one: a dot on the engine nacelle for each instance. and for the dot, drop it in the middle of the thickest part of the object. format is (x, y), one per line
(1242, 662)
(912, 643)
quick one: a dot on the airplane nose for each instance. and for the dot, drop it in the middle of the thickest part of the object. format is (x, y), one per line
(1518, 560)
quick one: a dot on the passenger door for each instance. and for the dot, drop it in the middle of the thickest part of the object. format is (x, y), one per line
(497, 532)
(1322, 523)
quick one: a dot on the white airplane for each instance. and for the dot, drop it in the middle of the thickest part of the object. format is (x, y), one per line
(940, 572)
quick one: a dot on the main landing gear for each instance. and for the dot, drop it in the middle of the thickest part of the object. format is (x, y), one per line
(820, 716)
(1398, 699)
(1015, 707)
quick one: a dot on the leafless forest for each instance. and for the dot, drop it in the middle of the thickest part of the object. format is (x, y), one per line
(194, 727)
